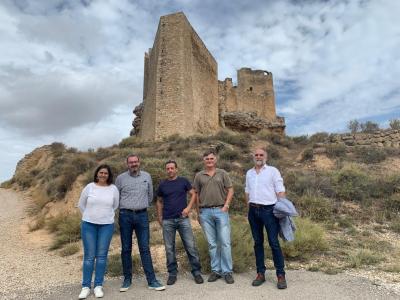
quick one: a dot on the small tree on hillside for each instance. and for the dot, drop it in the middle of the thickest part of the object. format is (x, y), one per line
(369, 127)
(394, 124)
(353, 126)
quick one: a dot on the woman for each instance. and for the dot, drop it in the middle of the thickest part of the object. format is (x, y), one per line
(98, 203)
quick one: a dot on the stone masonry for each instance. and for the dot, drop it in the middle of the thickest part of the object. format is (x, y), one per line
(389, 138)
(182, 94)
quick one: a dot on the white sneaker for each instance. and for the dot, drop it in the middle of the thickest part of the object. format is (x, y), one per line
(98, 291)
(85, 292)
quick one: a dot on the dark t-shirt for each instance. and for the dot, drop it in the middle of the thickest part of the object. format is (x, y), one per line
(174, 195)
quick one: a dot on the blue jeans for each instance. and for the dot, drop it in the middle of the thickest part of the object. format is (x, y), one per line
(217, 228)
(260, 217)
(170, 226)
(130, 221)
(96, 240)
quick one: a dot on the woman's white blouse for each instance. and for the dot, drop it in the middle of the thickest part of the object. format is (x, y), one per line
(98, 203)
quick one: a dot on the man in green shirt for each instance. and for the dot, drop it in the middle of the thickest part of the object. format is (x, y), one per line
(214, 192)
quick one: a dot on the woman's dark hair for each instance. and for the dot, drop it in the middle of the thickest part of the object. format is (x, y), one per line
(110, 175)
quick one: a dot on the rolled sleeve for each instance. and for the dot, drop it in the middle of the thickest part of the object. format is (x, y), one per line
(278, 182)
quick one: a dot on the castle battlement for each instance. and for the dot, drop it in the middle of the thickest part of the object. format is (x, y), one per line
(181, 91)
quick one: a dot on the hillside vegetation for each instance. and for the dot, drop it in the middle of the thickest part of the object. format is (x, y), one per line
(349, 200)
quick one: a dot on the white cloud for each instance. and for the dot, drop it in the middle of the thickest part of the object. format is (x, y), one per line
(71, 71)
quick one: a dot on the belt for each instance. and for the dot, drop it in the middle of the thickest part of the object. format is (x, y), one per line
(136, 211)
(260, 205)
(212, 206)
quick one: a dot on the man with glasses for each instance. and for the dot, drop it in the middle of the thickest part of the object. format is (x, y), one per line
(264, 187)
(136, 194)
(214, 191)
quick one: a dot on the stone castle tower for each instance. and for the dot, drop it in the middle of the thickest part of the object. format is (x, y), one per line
(182, 94)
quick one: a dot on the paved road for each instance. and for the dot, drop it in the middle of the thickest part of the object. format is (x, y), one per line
(302, 285)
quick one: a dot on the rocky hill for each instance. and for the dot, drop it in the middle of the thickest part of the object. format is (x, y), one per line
(348, 195)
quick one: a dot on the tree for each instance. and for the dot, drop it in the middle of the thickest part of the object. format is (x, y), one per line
(395, 124)
(353, 126)
(369, 127)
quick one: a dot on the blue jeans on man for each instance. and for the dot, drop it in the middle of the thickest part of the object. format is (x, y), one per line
(130, 221)
(217, 228)
(183, 226)
(260, 217)
(96, 240)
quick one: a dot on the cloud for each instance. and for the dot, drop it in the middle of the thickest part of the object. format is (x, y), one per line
(72, 71)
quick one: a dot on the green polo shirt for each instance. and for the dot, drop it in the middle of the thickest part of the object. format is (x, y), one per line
(212, 190)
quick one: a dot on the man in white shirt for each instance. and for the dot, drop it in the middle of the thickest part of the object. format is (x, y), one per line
(264, 187)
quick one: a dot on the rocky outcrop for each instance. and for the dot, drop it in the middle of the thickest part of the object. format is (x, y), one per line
(138, 111)
(249, 121)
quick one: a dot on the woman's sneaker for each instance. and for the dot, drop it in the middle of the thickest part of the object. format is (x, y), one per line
(85, 292)
(98, 291)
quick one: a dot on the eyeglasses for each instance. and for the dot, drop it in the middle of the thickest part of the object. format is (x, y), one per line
(259, 155)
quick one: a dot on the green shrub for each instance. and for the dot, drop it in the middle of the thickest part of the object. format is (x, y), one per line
(310, 239)
(395, 226)
(351, 184)
(364, 257)
(305, 182)
(229, 154)
(307, 155)
(301, 140)
(114, 265)
(392, 204)
(103, 153)
(130, 142)
(70, 249)
(7, 184)
(66, 228)
(319, 137)
(335, 150)
(241, 140)
(57, 149)
(38, 223)
(273, 152)
(394, 124)
(370, 155)
(315, 207)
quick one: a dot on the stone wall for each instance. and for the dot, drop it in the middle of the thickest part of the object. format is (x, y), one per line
(380, 138)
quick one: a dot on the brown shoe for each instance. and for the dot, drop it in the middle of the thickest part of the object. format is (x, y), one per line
(281, 284)
(260, 279)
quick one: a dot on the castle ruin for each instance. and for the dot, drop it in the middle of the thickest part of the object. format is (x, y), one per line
(182, 94)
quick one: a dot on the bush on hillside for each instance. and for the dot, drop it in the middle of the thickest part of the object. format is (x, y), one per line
(394, 124)
(66, 228)
(351, 184)
(319, 137)
(301, 140)
(370, 155)
(310, 239)
(335, 150)
(315, 207)
(307, 155)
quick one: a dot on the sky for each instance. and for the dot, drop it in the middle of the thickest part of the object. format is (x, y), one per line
(72, 71)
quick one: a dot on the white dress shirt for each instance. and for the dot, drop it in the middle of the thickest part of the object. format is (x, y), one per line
(263, 187)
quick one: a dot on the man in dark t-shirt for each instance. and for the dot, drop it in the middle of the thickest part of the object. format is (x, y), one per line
(173, 214)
